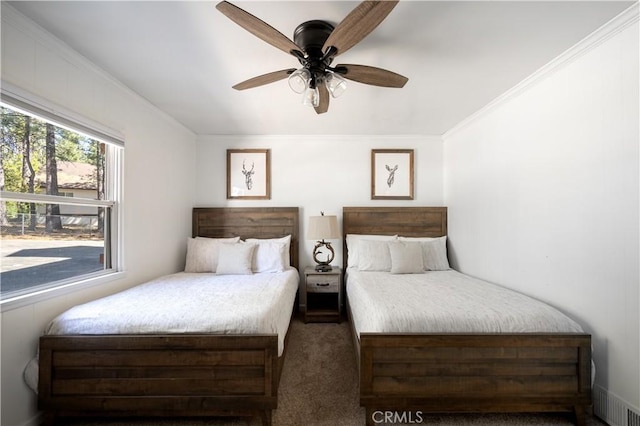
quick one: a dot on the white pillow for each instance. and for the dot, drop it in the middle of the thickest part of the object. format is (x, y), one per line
(235, 259)
(202, 253)
(352, 245)
(406, 258)
(270, 257)
(373, 255)
(434, 252)
(286, 241)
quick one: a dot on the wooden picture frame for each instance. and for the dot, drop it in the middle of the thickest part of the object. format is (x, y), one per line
(392, 174)
(249, 174)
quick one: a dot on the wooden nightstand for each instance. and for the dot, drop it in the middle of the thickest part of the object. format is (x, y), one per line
(321, 295)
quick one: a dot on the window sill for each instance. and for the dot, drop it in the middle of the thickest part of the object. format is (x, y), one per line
(39, 296)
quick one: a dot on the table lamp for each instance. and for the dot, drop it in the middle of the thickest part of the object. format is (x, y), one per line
(320, 228)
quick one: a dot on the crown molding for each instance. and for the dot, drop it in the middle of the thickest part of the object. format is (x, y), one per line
(11, 16)
(621, 22)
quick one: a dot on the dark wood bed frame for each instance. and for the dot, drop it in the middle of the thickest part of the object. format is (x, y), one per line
(457, 373)
(175, 375)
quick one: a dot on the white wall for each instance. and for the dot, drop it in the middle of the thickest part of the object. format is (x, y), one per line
(158, 186)
(319, 173)
(543, 196)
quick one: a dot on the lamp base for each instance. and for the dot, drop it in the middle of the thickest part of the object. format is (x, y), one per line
(323, 265)
(323, 268)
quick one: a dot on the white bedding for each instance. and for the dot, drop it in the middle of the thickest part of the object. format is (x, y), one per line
(445, 302)
(190, 303)
(187, 303)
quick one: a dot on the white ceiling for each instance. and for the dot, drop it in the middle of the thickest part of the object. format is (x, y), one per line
(184, 56)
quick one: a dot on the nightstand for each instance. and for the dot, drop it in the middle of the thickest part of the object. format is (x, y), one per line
(321, 295)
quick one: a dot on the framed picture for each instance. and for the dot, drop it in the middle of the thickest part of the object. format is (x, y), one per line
(248, 174)
(392, 174)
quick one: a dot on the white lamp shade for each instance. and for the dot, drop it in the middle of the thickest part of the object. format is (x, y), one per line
(323, 228)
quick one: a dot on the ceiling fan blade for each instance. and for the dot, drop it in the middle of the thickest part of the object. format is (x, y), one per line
(358, 24)
(261, 80)
(257, 27)
(371, 75)
(323, 106)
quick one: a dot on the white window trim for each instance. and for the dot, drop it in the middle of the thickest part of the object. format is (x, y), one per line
(90, 280)
(54, 199)
(28, 103)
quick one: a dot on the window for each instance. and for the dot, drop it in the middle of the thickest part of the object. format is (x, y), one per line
(59, 182)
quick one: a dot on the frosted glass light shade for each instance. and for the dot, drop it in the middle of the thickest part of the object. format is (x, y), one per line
(311, 97)
(336, 84)
(299, 80)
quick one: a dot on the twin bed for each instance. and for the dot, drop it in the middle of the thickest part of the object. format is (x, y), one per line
(440, 341)
(487, 350)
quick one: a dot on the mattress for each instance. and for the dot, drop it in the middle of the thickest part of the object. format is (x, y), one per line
(446, 302)
(186, 303)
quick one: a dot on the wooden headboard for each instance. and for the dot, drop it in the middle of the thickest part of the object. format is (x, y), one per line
(405, 221)
(249, 222)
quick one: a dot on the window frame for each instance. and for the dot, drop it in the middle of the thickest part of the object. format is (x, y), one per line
(28, 104)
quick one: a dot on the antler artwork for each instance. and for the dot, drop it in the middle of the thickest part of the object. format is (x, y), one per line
(392, 174)
(248, 175)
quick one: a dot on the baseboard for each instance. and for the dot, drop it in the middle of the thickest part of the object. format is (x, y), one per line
(35, 420)
(614, 410)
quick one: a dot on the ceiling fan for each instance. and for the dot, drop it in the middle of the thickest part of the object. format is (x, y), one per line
(315, 44)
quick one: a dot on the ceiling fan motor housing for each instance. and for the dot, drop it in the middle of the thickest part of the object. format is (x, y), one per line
(311, 36)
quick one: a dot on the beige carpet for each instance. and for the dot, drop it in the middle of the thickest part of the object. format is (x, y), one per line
(319, 388)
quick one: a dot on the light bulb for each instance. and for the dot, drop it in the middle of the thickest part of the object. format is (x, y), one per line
(336, 84)
(311, 97)
(299, 80)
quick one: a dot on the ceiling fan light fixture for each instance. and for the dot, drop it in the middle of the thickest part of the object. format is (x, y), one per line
(311, 97)
(336, 84)
(315, 45)
(299, 80)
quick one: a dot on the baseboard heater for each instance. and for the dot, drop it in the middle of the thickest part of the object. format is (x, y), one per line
(613, 410)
